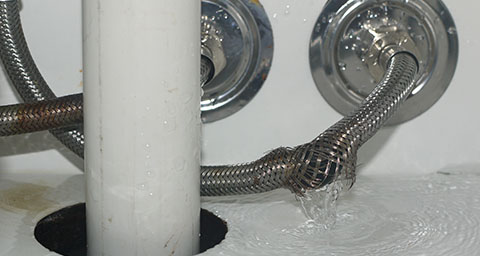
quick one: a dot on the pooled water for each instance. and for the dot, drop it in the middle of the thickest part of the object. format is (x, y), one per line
(436, 214)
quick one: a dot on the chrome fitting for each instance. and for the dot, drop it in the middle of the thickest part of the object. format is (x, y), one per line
(352, 42)
(211, 45)
(386, 42)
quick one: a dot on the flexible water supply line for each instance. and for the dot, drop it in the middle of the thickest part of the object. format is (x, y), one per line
(32, 87)
(330, 156)
(62, 112)
(24, 74)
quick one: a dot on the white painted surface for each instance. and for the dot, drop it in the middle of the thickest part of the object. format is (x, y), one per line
(142, 126)
(288, 110)
(430, 215)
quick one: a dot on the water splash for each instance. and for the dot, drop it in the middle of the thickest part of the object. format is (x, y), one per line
(320, 206)
(434, 214)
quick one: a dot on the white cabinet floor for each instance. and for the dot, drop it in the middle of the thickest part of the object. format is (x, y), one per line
(432, 214)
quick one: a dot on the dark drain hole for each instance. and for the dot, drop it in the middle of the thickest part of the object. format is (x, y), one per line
(64, 231)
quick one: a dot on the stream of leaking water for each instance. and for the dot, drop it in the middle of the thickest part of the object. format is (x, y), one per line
(320, 206)
(435, 214)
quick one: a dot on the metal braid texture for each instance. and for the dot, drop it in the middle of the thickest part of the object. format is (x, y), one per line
(32, 87)
(23, 118)
(330, 156)
(206, 70)
(24, 74)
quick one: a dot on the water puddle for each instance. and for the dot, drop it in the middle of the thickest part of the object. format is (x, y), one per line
(435, 214)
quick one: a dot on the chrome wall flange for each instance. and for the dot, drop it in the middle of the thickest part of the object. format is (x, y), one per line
(237, 38)
(350, 35)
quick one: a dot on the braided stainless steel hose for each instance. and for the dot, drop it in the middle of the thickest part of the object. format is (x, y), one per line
(30, 117)
(330, 156)
(32, 87)
(63, 112)
(24, 74)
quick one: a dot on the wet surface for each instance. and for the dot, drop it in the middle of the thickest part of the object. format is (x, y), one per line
(436, 214)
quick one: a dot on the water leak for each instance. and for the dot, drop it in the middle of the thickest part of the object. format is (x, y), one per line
(320, 206)
(435, 214)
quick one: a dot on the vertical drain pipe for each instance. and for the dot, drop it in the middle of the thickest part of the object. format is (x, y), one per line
(142, 126)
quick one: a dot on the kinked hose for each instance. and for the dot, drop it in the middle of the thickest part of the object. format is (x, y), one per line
(329, 157)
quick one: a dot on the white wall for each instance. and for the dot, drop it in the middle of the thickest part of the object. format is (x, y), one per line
(445, 135)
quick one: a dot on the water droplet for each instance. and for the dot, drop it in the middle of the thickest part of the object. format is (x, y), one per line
(304, 20)
(452, 30)
(169, 126)
(225, 16)
(274, 15)
(147, 145)
(342, 66)
(147, 108)
(346, 47)
(150, 174)
(151, 194)
(330, 17)
(142, 186)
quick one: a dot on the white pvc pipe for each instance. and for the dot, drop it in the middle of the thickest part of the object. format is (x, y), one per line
(142, 126)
